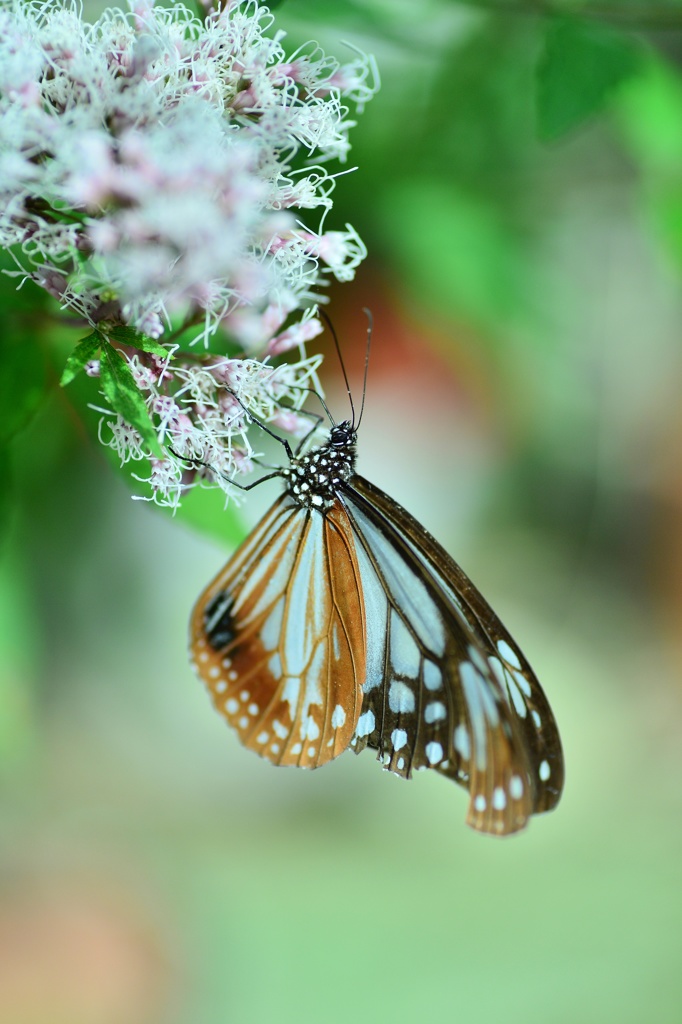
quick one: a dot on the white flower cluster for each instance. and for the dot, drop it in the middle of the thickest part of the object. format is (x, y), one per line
(153, 166)
(203, 413)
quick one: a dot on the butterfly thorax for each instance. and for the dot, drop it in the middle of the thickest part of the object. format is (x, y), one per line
(313, 478)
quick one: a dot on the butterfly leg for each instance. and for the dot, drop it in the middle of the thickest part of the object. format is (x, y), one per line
(235, 483)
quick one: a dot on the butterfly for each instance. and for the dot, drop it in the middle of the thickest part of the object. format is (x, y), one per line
(341, 623)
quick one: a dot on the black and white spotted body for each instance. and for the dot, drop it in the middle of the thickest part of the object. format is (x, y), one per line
(313, 478)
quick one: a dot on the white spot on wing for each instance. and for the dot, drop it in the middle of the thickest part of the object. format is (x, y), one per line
(499, 799)
(434, 712)
(398, 739)
(433, 679)
(479, 803)
(516, 787)
(508, 654)
(310, 729)
(516, 697)
(462, 742)
(400, 697)
(404, 653)
(275, 666)
(434, 752)
(279, 729)
(544, 771)
(338, 717)
(292, 689)
(522, 682)
(365, 724)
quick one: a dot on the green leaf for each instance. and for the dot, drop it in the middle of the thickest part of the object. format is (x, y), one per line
(579, 69)
(85, 350)
(23, 378)
(129, 336)
(123, 394)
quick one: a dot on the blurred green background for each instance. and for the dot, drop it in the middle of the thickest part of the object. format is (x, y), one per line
(520, 192)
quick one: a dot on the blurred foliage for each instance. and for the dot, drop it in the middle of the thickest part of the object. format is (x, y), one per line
(580, 67)
(519, 187)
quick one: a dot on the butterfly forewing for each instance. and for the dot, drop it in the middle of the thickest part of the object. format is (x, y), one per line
(278, 637)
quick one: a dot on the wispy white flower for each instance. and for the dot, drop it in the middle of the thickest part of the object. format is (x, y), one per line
(203, 412)
(155, 173)
(150, 158)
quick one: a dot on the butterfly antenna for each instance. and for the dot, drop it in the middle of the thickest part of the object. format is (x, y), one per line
(370, 328)
(318, 396)
(330, 325)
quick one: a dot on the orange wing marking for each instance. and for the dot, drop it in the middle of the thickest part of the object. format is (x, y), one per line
(279, 637)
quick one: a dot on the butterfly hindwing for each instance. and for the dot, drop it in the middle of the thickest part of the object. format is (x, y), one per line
(278, 637)
(443, 692)
(532, 713)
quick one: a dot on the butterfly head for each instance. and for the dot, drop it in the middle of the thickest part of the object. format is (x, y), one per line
(343, 435)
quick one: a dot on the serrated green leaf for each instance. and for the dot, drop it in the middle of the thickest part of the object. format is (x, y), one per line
(579, 69)
(85, 350)
(123, 394)
(129, 336)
